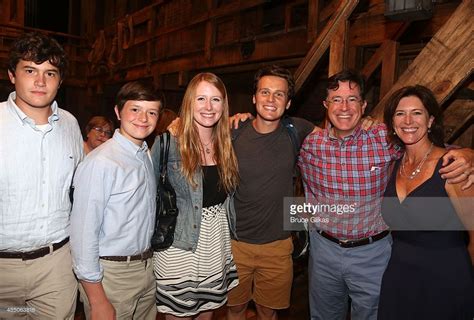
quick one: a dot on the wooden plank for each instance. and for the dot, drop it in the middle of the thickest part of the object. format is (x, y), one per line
(337, 52)
(351, 57)
(286, 47)
(375, 60)
(444, 62)
(321, 43)
(328, 10)
(379, 56)
(371, 29)
(389, 67)
(210, 29)
(313, 19)
(456, 117)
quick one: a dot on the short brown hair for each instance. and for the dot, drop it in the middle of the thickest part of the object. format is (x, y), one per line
(138, 91)
(277, 71)
(351, 76)
(38, 48)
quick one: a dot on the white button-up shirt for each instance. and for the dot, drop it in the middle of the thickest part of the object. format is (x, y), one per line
(36, 169)
(114, 205)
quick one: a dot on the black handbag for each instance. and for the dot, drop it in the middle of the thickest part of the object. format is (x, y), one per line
(166, 209)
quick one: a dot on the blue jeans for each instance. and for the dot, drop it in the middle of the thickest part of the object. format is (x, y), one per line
(336, 273)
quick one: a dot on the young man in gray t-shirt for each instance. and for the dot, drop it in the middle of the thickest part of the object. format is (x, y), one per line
(266, 158)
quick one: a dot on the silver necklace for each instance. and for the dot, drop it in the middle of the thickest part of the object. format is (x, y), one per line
(206, 148)
(417, 170)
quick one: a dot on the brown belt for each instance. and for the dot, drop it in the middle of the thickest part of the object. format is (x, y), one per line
(35, 254)
(357, 242)
(142, 256)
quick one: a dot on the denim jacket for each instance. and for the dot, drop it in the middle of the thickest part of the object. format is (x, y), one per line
(189, 199)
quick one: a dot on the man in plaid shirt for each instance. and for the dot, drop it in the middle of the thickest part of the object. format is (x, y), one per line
(345, 170)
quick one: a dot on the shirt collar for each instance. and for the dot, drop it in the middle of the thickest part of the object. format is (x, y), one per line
(23, 118)
(129, 145)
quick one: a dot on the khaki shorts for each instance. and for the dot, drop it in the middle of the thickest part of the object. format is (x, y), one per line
(265, 273)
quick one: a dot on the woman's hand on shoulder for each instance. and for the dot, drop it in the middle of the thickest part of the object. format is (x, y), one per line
(173, 127)
(239, 117)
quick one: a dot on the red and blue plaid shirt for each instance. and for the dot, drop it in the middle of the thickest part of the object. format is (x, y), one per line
(352, 172)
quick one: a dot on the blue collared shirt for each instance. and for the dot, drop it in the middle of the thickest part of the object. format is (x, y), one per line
(36, 170)
(114, 205)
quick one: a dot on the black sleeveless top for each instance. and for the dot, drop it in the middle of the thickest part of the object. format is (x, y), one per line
(426, 209)
(429, 275)
(213, 193)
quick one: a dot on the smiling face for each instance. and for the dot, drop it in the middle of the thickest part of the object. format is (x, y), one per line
(345, 108)
(271, 99)
(36, 85)
(138, 119)
(208, 105)
(411, 120)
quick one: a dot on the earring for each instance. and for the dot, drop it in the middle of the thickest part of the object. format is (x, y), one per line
(394, 133)
(429, 130)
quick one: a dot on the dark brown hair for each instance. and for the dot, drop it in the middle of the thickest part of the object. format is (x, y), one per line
(436, 134)
(138, 91)
(276, 71)
(38, 48)
(351, 76)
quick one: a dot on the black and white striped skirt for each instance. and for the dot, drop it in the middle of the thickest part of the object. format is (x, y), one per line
(189, 283)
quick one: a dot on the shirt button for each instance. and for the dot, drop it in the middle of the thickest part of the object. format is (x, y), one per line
(196, 207)
(194, 226)
(43, 182)
(44, 159)
(343, 163)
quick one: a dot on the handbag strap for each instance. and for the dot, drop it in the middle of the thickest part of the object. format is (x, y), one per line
(164, 152)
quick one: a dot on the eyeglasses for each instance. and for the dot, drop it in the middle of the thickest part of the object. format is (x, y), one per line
(339, 101)
(108, 133)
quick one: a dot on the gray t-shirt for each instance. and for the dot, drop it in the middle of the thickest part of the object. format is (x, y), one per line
(266, 167)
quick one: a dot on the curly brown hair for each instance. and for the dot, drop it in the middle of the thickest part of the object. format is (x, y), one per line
(38, 47)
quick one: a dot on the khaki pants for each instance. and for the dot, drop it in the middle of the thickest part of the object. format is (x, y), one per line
(43, 288)
(130, 288)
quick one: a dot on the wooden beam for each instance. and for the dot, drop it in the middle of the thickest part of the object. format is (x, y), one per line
(321, 43)
(313, 19)
(456, 117)
(368, 30)
(337, 52)
(210, 29)
(389, 67)
(444, 62)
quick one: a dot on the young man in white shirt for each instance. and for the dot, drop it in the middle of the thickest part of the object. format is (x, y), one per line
(113, 215)
(40, 147)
